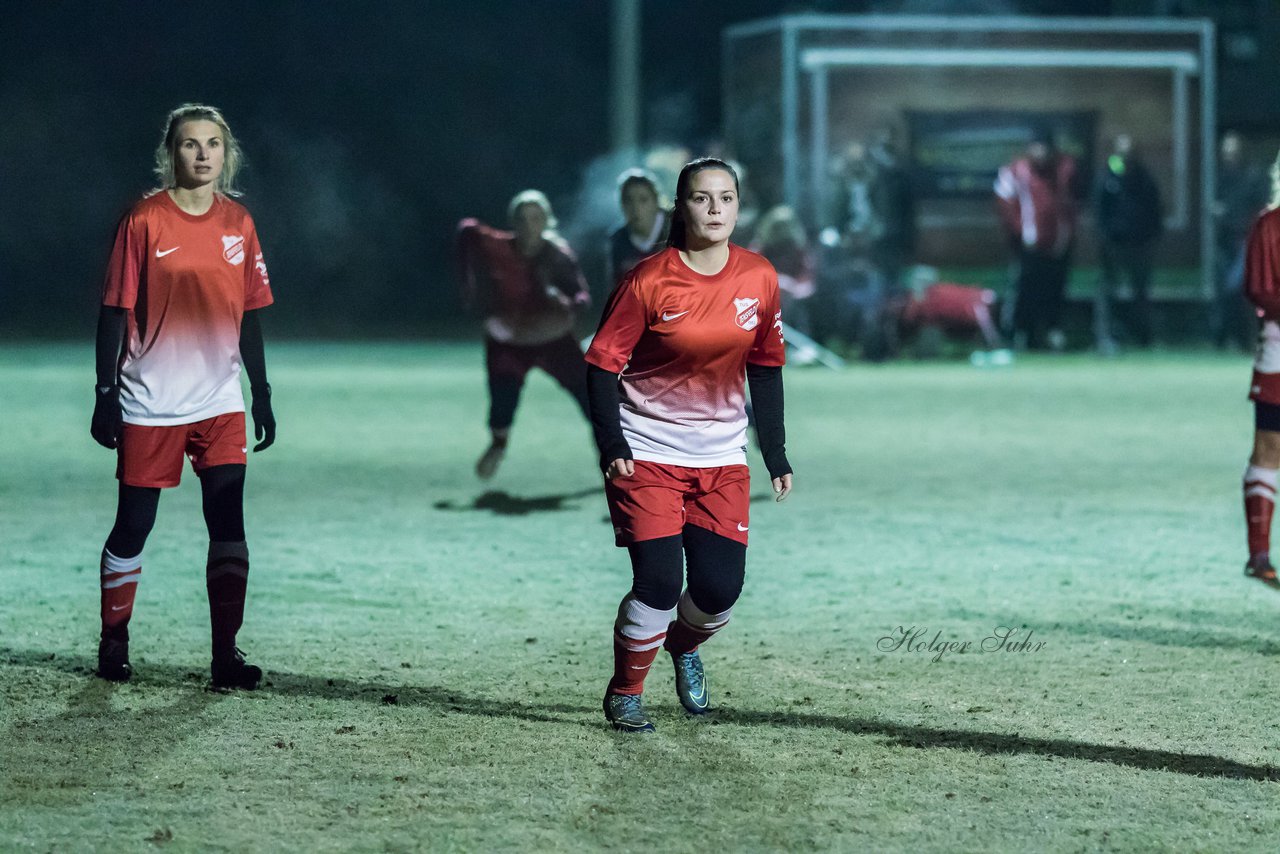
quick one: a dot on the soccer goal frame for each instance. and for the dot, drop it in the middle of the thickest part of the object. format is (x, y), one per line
(808, 57)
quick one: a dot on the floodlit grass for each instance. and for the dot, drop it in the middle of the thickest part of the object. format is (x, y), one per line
(436, 655)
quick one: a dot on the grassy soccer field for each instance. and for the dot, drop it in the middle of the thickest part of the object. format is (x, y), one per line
(436, 653)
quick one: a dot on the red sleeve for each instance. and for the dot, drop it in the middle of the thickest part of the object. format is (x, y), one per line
(257, 285)
(770, 350)
(625, 320)
(1262, 265)
(568, 279)
(477, 248)
(124, 270)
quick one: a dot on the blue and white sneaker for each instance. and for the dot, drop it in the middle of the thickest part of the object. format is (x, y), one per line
(625, 712)
(691, 683)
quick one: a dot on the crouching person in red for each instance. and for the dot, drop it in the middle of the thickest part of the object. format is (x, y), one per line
(666, 374)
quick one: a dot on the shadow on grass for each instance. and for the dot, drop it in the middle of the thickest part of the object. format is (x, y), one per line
(905, 735)
(1191, 629)
(1192, 764)
(1191, 637)
(505, 504)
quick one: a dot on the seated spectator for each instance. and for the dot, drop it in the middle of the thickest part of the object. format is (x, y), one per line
(781, 239)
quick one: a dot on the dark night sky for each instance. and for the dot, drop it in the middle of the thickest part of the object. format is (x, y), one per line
(370, 129)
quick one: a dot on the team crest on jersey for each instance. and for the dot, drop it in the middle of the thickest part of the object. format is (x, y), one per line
(233, 248)
(747, 313)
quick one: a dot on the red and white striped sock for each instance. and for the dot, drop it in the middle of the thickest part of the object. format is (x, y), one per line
(119, 581)
(1259, 504)
(692, 626)
(637, 637)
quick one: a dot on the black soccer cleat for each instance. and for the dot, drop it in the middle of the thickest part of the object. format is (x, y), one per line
(113, 660)
(625, 712)
(487, 465)
(232, 671)
(691, 683)
(1261, 569)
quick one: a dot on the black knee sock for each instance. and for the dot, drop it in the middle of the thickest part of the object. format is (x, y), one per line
(227, 577)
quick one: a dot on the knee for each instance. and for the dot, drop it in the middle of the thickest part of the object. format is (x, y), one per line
(129, 535)
(716, 593)
(717, 569)
(223, 494)
(1266, 449)
(657, 571)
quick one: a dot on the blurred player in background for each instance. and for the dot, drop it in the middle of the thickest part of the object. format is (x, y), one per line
(781, 239)
(1243, 190)
(1262, 287)
(1130, 218)
(179, 321)
(527, 286)
(666, 371)
(1036, 196)
(645, 229)
(931, 311)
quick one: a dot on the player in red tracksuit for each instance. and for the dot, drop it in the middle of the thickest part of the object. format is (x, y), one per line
(1037, 198)
(1262, 287)
(666, 374)
(179, 321)
(960, 310)
(527, 286)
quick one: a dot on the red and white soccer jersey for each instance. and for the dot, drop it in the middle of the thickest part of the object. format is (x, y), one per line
(685, 340)
(1262, 287)
(186, 281)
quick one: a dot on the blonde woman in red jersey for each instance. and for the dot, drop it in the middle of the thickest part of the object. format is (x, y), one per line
(179, 321)
(1262, 287)
(665, 377)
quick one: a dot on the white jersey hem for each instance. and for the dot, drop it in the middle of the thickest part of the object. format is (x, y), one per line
(738, 458)
(179, 420)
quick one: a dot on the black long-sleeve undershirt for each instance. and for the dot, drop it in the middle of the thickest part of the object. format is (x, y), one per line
(112, 323)
(765, 383)
(252, 352)
(606, 421)
(766, 396)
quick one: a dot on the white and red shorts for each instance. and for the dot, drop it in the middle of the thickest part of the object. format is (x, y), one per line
(1266, 365)
(152, 456)
(660, 499)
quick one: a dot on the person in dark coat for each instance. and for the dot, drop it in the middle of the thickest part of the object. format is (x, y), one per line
(1129, 220)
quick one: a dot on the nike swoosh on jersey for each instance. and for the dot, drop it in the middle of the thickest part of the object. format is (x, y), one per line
(160, 254)
(741, 527)
(666, 317)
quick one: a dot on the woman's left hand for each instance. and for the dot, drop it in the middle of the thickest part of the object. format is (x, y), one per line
(782, 487)
(264, 420)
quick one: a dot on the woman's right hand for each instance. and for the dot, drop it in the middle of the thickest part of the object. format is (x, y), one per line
(620, 468)
(108, 420)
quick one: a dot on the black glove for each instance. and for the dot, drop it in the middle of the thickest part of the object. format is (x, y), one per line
(264, 420)
(108, 420)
